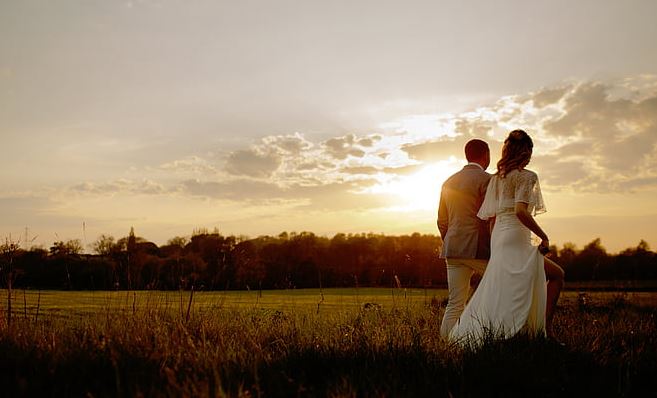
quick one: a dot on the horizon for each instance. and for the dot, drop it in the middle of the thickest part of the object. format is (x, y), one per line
(256, 118)
(87, 247)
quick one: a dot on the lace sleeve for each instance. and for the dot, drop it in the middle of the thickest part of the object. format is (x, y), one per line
(489, 206)
(528, 190)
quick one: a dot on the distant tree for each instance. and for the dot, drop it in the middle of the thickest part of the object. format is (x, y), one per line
(104, 245)
(204, 231)
(70, 247)
(249, 269)
(8, 251)
(179, 241)
(590, 263)
(567, 254)
(132, 240)
(637, 262)
(643, 247)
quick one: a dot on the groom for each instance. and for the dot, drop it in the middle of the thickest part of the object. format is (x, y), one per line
(466, 238)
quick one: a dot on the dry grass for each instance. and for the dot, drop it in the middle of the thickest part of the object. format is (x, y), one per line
(374, 344)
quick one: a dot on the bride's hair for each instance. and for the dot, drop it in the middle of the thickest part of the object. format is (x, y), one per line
(516, 152)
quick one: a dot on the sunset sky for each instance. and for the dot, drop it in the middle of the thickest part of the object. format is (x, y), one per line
(258, 117)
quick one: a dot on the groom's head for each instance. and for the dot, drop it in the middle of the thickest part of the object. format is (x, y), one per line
(477, 151)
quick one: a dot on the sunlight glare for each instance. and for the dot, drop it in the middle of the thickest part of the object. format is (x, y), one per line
(421, 190)
(423, 125)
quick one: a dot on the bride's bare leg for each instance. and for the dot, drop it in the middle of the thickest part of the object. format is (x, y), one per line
(555, 275)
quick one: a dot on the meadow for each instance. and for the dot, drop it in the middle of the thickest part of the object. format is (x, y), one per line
(312, 342)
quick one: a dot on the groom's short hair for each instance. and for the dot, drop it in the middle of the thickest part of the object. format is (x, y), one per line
(476, 149)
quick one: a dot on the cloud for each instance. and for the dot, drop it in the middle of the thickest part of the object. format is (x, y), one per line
(615, 139)
(292, 144)
(404, 170)
(252, 163)
(290, 160)
(192, 164)
(475, 127)
(360, 170)
(144, 186)
(342, 196)
(637, 183)
(588, 136)
(436, 150)
(558, 173)
(548, 96)
(331, 196)
(369, 141)
(278, 156)
(349, 145)
(245, 190)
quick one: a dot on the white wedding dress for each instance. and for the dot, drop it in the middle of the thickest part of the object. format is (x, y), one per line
(511, 296)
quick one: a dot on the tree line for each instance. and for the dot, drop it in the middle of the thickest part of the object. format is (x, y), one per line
(212, 261)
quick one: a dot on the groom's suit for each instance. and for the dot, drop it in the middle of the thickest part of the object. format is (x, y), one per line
(464, 234)
(466, 238)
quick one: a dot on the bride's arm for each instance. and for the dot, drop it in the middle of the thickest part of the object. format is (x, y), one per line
(528, 221)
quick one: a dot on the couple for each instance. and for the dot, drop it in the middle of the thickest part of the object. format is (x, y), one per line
(513, 295)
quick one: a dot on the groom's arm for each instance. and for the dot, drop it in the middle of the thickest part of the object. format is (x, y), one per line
(443, 216)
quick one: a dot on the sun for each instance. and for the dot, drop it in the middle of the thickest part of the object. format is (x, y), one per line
(419, 191)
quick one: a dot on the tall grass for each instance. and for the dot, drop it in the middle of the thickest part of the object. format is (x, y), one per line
(149, 349)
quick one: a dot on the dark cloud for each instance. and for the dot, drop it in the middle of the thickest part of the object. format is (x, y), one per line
(252, 163)
(615, 139)
(589, 113)
(548, 96)
(627, 155)
(557, 172)
(576, 149)
(586, 140)
(606, 141)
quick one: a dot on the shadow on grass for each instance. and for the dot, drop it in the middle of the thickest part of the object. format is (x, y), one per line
(503, 368)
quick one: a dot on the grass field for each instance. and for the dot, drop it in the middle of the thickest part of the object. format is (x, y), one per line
(26, 303)
(82, 303)
(335, 342)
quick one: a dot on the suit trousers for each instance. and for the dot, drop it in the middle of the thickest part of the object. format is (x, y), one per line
(459, 272)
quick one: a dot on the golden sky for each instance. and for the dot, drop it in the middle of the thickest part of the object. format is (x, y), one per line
(259, 117)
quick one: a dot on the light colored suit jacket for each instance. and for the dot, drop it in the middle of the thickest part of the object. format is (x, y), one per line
(464, 234)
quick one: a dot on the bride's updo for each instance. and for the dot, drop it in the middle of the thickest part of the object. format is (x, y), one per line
(516, 152)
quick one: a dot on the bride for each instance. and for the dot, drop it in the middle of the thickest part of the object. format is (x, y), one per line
(513, 295)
